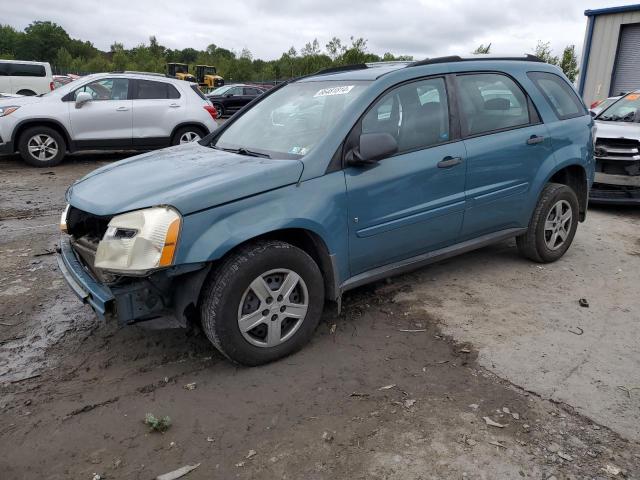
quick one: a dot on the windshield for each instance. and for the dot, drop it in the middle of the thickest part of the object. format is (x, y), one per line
(290, 122)
(220, 90)
(624, 110)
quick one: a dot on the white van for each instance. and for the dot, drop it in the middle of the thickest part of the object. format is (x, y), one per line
(25, 78)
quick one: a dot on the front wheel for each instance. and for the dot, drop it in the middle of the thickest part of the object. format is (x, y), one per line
(553, 225)
(42, 147)
(219, 108)
(263, 302)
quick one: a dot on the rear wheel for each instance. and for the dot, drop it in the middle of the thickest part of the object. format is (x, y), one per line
(220, 109)
(187, 135)
(42, 147)
(263, 302)
(553, 225)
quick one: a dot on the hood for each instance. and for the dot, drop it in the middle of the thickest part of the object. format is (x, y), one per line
(629, 130)
(19, 100)
(189, 177)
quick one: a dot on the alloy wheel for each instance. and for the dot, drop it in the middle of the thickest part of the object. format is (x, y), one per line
(42, 147)
(273, 308)
(188, 137)
(558, 225)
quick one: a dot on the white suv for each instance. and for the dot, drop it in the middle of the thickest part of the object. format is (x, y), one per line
(25, 78)
(112, 111)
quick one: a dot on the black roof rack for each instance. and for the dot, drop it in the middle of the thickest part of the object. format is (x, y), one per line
(458, 58)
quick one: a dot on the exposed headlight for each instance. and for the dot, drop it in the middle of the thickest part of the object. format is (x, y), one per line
(139, 241)
(63, 219)
(4, 111)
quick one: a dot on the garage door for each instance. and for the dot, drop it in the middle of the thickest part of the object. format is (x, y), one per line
(626, 75)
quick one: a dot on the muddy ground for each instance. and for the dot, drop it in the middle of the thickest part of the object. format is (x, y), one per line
(489, 335)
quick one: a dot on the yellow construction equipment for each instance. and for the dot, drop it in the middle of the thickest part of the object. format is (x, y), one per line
(180, 71)
(208, 77)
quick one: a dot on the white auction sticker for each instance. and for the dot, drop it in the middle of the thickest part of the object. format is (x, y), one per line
(326, 92)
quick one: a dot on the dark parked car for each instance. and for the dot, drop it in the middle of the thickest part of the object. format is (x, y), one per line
(231, 98)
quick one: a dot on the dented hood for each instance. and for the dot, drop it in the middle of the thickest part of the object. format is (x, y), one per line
(189, 177)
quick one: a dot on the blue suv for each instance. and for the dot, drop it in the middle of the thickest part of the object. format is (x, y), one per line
(326, 183)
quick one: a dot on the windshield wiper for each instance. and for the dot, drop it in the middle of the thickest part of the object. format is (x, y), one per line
(243, 151)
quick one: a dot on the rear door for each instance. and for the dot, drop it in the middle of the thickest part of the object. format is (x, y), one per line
(413, 201)
(157, 108)
(506, 144)
(105, 121)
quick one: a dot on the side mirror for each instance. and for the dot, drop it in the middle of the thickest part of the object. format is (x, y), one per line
(373, 147)
(229, 95)
(82, 98)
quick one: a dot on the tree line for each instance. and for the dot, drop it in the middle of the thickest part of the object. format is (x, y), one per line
(49, 42)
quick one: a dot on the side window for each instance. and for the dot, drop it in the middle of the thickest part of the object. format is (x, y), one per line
(106, 89)
(26, 70)
(252, 92)
(415, 114)
(149, 90)
(559, 94)
(489, 102)
(4, 69)
(235, 91)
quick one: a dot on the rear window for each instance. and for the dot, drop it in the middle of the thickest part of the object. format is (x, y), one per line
(26, 70)
(559, 94)
(149, 90)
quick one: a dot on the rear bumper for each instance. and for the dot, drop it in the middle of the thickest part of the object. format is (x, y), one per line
(82, 283)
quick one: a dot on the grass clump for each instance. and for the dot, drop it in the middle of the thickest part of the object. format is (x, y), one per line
(157, 424)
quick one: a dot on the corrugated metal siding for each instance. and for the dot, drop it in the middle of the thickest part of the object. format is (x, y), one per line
(627, 66)
(604, 45)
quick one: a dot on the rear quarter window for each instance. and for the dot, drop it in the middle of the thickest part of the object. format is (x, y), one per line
(559, 95)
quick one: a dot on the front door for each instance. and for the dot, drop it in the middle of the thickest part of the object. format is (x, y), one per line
(413, 201)
(106, 120)
(506, 144)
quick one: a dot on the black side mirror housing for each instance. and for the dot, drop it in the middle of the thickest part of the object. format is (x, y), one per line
(372, 148)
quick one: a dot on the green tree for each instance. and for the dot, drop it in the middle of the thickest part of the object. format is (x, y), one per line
(41, 41)
(335, 49)
(544, 53)
(63, 59)
(569, 62)
(9, 38)
(482, 50)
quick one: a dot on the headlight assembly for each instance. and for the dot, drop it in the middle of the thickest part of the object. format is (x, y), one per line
(139, 241)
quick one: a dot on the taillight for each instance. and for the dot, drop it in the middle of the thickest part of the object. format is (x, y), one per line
(595, 104)
(212, 111)
(52, 85)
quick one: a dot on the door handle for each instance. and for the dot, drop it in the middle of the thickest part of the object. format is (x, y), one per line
(174, 105)
(534, 140)
(448, 162)
(122, 109)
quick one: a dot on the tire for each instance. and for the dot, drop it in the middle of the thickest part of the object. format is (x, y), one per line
(219, 108)
(26, 93)
(228, 296)
(182, 134)
(31, 142)
(553, 225)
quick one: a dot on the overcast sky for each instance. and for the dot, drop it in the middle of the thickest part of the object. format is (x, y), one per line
(267, 28)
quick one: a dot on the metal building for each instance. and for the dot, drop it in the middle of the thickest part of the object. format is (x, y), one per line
(611, 53)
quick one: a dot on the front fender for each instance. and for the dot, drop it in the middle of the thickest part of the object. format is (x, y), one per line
(317, 205)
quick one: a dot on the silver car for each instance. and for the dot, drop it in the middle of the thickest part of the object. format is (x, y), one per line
(617, 152)
(107, 111)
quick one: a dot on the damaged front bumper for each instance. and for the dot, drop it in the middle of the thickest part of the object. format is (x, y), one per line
(135, 299)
